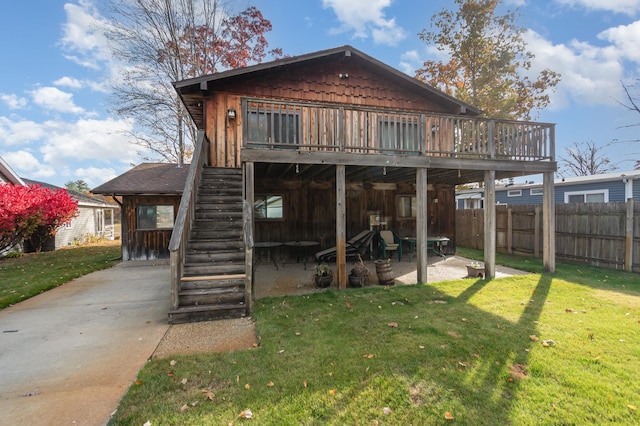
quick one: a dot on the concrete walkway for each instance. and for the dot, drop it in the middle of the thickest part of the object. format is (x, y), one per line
(68, 356)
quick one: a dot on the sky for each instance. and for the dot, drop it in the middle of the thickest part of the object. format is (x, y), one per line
(56, 72)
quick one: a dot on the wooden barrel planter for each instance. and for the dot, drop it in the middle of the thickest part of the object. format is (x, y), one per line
(384, 272)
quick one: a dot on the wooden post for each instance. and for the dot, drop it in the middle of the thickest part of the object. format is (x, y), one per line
(628, 252)
(536, 232)
(509, 230)
(341, 244)
(490, 223)
(249, 200)
(421, 224)
(549, 223)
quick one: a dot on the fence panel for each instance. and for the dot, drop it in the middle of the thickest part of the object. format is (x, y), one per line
(595, 233)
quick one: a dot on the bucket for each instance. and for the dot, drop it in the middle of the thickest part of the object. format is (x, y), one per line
(384, 272)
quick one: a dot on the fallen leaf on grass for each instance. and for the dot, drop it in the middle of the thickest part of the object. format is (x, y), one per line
(332, 392)
(534, 338)
(173, 362)
(246, 414)
(247, 386)
(386, 411)
(139, 382)
(369, 356)
(632, 407)
(271, 384)
(547, 343)
(208, 394)
(305, 383)
(448, 415)
(184, 408)
(454, 334)
(393, 324)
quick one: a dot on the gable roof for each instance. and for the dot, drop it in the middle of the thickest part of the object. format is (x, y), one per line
(85, 200)
(8, 175)
(147, 179)
(192, 91)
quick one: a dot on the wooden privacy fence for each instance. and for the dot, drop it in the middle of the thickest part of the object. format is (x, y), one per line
(601, 234)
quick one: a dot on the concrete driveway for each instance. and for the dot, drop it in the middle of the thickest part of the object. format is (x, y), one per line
(68, 356)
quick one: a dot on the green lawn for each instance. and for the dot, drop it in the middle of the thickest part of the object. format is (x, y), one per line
(31, 274)
(464, 352)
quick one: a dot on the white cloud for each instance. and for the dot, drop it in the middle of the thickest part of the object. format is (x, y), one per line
(54, 99)
(27, 165)
(19, 132)
(629, 7)
(590, 74)
(626, 38)
(13, 101)
(83, 33)
(410, 61)
(70, 82)
(366, 18)
(95, 176)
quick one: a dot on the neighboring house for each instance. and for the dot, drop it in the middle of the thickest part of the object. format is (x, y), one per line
(309, 149)
(150, 196)
(95, 219)
(605, 188)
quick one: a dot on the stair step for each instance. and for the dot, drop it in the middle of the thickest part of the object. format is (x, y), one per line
(205, 216)
(214, 257)
(206, 313)
(203, 244)
(213, 234)
(212, 296)
(196, 269)
(221, 171)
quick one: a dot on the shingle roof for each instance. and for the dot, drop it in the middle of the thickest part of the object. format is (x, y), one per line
(82, 199)
(147, 178)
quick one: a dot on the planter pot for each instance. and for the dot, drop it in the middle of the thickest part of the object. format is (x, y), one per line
(475, 271)
(323, 281)
(355, 281)
(384, 272)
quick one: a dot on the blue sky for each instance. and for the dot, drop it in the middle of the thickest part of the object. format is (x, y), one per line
(56, 71)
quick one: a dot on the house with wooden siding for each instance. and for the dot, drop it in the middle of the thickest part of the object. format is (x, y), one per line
(604, 188)
(308, 149)
(149, 196)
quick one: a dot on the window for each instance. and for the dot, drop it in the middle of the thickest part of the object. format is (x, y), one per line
(399, 134)
(407, 206)
(536, 191)
(274, 127)
(599, 196)
(514, 193)
(268, 207)
(155, 217)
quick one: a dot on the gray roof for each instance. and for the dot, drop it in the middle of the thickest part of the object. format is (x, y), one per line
(7, 174)
(81, 198)
(148, 179)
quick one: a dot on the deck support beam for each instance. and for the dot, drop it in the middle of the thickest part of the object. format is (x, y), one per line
(490, 224)
(247, 207)
(421, 224)
(341, 242)
(549, 223)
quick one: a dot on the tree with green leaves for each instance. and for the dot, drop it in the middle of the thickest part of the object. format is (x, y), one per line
(488, 61)
(78, 186)
(161, 42)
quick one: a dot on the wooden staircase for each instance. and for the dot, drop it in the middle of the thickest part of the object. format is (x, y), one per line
(212, 285)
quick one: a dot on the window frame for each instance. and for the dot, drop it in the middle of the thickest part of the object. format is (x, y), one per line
(514, 192)
(585, 193)
(266, 127)
(265, 197)
(538, 192)
(413, 205)
(156, 217)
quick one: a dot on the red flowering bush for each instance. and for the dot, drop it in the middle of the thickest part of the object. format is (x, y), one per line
(33, 212)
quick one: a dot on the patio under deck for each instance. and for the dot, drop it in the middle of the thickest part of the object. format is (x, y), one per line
(295, 279)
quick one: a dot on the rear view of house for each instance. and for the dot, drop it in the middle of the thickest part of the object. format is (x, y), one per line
(309, 149)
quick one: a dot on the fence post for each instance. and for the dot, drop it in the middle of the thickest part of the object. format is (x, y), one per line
(628, 252)
(509, 231)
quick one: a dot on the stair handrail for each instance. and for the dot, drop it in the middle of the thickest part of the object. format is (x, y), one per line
(186, 213)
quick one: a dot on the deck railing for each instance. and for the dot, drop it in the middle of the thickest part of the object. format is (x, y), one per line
(317, 127)
(185, 216)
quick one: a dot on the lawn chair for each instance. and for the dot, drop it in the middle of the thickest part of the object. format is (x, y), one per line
(389, 242)
(357, 245)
